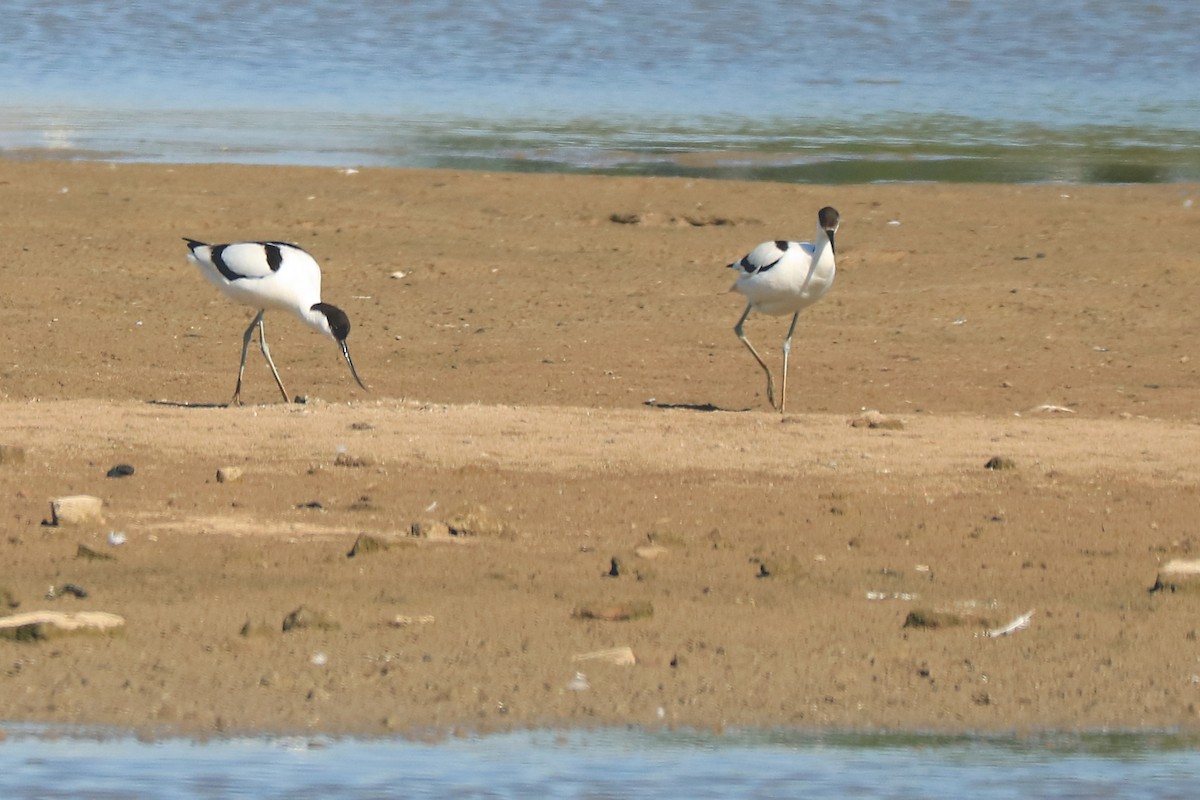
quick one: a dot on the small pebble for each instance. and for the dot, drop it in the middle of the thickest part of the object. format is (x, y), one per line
(78, 509)
(650, 551)
(228, 474)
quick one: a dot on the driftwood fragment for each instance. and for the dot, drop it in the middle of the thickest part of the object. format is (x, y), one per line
(36, 625)
(621, 656)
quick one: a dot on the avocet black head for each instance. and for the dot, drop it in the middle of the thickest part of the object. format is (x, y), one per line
(339, 329)
(271, 275)
(829, 220)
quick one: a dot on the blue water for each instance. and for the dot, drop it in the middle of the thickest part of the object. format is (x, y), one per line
(854, 90)
(604, 764)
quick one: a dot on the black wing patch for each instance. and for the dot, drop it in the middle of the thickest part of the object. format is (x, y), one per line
(273, 251)
(274, 255)
(754, 269)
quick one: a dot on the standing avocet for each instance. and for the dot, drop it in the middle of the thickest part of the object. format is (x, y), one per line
(781, 278)
(271, 275)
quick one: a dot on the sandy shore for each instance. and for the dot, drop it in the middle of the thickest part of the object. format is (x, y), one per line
(555, 377)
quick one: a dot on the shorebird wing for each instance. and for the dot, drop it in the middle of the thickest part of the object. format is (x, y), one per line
(762, 258)
(242, 260)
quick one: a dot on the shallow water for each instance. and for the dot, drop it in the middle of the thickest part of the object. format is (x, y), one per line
(43, 763)
(1082, 90)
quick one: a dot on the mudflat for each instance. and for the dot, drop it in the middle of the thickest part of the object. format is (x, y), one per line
(565, 500)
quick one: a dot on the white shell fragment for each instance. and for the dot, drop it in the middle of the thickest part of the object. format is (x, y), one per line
(1020, 623)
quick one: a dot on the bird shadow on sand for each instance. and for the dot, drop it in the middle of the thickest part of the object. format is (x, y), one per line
(184, 404)
(707, 407)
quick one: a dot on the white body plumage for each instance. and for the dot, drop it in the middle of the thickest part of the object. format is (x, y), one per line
(270, 275)
(782, 277)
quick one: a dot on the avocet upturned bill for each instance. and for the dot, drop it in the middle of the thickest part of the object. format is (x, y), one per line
(781, 278)
(271, 275)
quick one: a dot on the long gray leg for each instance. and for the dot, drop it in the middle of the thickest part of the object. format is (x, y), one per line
(787, 349)
(237, 392)
(262, 341)
(770, 379)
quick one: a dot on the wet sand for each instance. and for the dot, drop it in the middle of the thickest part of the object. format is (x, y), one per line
(555, 377)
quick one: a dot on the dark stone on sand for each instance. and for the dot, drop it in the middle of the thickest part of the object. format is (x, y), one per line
(83, 551)
(477, 521)
(304, 617)
(121, 471)
(363, 503)
(347, 460)
(615, 612)
(931, 619)
(255, 629)
(366, 544)
(431, 529)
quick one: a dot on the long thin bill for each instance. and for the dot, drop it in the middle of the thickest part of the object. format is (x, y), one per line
(353, 371)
